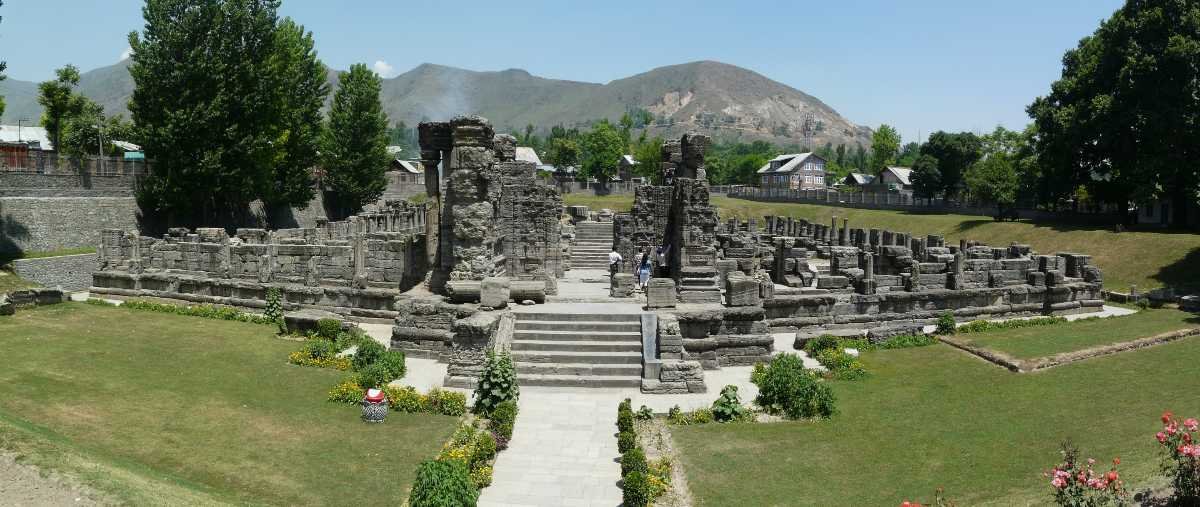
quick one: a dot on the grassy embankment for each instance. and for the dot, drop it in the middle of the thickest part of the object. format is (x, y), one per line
(168, 409)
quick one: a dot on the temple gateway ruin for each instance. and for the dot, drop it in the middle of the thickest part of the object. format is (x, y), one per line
(486, 262)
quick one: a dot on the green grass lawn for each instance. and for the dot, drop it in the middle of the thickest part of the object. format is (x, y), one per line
(1146, 258)
(936, 416)
(10, 282)
(184, 410)
(1043, 341)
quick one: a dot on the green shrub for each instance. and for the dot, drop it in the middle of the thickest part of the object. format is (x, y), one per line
(483, 451)
(482, 476)
(842, 365)
(374, 376)
(635, 490)
(700, 416)
(406, 399)
(445, 402)
(351, 338)
(318, 349)
(329, 328)
(909, 340)
(274, 309)
(349, 391)
(823, 342)
(497, 383)
(624, 420)
(786, 387)
(634, 461)
(369, 352)
(393, 361)
(644, 414)
(979, 326)
(626, 440)
(945, 323)
(443, 484)
(206, 311)
(728, 407)
(675, 415)
(503, 417)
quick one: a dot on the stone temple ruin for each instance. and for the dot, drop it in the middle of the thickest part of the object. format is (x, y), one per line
(446, 275)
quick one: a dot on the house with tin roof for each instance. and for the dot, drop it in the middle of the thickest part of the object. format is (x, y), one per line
(794, 171)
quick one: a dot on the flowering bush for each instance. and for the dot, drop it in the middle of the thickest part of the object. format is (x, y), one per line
(1182, 456)
(1077, 484)
(300, 358)
(786, 387)
(347, 391)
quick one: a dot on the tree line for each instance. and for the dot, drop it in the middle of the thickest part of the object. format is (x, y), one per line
(227, 102)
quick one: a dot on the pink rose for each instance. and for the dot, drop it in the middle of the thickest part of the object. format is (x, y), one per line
(1058, 482)
(1162, 437)
(1191, 424)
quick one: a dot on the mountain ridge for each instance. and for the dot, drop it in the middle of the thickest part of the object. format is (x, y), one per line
(723, 100)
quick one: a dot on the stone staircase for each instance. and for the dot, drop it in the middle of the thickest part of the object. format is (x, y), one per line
(699, 285)
(593, 242)
(578, 350)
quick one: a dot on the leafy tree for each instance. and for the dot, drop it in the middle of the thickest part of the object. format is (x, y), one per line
(648, 154)
(885, 145)
(354, 148)
(563, 152)
(302, 79)
(225, 100)
(405, 137)
(908, 155)
(83, 134)
(994, 179)
(60, 103)
(600, 152)
(626, 124)
(926, 177)
(840, 155)
(955, 153)
(1124, 118)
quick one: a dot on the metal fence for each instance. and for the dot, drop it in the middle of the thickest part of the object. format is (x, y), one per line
(51, 163)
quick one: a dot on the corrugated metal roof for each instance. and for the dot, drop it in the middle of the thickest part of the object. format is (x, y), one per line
(526, 154)
(409, 166)
(902, 173)
(25, 134)
(794, 160)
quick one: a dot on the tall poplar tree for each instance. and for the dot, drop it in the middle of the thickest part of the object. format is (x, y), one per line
(354, 148)
(224, 100)
(3, 65)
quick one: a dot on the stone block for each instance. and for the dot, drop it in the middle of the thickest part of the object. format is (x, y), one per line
(302, 321)
(494, 292)
(621, 285)
(741, 290)
(660, 293)
(832, 282)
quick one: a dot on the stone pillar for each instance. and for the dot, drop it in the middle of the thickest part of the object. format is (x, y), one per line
(867, 284)
(844, 235)
(956, 280)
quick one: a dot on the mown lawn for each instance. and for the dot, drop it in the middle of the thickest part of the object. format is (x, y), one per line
(1145, 258)
(934, 417)
(1042, 341)
(184, 410)
(10, 282)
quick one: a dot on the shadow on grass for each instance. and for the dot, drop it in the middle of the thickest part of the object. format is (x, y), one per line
(1183, 274)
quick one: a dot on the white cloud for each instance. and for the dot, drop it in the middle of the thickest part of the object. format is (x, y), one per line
(384, 69)
(126, 54)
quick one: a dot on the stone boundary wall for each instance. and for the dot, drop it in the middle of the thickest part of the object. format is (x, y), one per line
(40, 224)
(28, 184)
(68, 272)
(356, 267)
(903, 202)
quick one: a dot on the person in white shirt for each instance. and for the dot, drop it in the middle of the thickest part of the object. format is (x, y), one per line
(614, 262)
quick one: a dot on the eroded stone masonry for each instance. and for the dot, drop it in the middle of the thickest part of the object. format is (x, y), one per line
(446, 273)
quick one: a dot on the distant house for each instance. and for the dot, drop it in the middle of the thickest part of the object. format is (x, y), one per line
(896, 178)
(36, 138)
(796, 171)
(858, 180)
(625, 167)
(527, 154)
(401, 171)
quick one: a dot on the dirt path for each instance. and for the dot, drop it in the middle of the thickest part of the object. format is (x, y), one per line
(26, 485)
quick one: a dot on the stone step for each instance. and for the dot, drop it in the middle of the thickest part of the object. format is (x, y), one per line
(579, 317)
(577, 326)
(577, 346)
(578, 336)
(579, 380)
(698, 272)
(699, 296)
(698, 282)
(572, 357)
(632, 370)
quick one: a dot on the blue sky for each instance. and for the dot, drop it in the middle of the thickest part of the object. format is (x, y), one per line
(920, 65)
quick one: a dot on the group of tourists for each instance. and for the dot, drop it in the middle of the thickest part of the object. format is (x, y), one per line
(647, 265)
